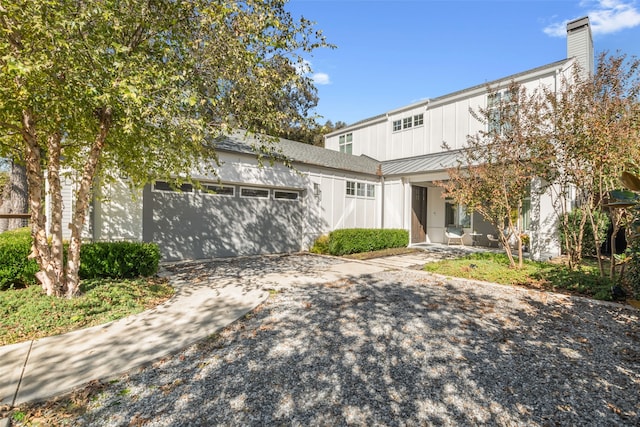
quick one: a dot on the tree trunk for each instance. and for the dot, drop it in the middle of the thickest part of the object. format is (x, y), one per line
(19, 195)
(55, 194)
(4, 206)
(40, 249)
(82, 198)
(15, 198)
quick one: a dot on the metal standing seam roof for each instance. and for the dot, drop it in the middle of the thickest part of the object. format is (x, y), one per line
(420, 164)
(299, 152)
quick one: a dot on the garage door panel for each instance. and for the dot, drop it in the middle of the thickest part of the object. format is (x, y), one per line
(197, 226)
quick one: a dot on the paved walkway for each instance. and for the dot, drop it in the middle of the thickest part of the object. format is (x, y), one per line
(36, 370)
(39, 369)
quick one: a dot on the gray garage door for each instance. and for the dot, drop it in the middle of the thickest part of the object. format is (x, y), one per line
(225, 221)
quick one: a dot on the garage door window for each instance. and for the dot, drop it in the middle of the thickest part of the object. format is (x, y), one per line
(255, 192)
(165, 186)
(285, 195)
(219, 190)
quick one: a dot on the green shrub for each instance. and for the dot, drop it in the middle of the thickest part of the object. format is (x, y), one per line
(321, 245)
(97, 260)
(15, 268)
(121, 260)
(357, 240)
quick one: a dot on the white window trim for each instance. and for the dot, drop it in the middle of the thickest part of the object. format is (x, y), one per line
(212, 193)
(285, 199)
(360, 185)
(177, 190)
(255, 189)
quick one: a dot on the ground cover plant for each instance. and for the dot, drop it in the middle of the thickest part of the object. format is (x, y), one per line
(28, 313)
(556, 276)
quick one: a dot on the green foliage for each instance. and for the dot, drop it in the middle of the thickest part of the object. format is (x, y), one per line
(30, 314)
(588, 239)
(118, 260)
(321, 245)
(16, 270)
(93, 90)
(630, 200)
(97, 260)
(354, 240)
(493, 267)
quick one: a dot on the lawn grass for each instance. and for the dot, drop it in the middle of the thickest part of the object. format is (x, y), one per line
(556, 277)
(28, 313)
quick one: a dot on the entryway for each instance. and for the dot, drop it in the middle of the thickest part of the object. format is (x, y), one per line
(418, 214)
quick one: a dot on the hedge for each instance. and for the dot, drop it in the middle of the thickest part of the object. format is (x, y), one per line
(116, 260)
(355, 240)
(15, 268)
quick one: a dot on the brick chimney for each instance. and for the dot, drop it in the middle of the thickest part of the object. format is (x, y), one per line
(580, 44)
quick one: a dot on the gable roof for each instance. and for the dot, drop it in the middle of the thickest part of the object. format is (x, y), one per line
(297, 152)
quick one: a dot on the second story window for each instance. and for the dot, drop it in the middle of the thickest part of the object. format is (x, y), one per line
(501, 111)
(406, 122)
(346, 142)
(397, 125)
(418, 120)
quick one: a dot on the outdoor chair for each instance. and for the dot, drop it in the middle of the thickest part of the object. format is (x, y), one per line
(493, 239)
(454, 233)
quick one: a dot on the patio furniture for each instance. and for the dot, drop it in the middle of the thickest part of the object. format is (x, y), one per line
(493, 239)
(454, 233)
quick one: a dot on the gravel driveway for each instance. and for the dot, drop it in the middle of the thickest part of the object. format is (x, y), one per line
(393, 348)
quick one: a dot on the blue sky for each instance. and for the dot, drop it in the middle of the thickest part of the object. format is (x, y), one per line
(391, 53)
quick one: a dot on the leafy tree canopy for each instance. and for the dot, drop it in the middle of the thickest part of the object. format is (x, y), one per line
(140, 87)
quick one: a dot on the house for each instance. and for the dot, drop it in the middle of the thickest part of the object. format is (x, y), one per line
(376, 173)
(408, 143)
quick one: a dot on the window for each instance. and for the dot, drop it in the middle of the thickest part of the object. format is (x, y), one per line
(219, 190)
(285, 195)
(165, 186)
(501, 112)
(456, 215)
(254, 192)
(371, 190)
(406, 123)
(361, 189)
(346, 142)
(418, 120)
(397, 125)
(351, 188)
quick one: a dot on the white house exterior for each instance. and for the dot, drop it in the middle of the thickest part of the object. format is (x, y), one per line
(408, 142)
(376, 173)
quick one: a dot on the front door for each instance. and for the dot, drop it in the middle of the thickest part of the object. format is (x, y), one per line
(418, 214)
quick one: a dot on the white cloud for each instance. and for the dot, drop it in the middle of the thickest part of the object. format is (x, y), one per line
(606, 16)
(321, 79)
(304, 68)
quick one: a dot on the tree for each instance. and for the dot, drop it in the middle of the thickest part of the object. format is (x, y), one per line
(312, 133)
(496, 167)
(594, 132)
(13, 198)
(94, 90)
